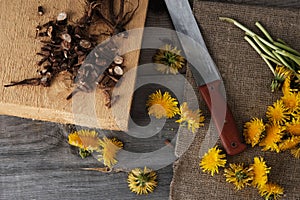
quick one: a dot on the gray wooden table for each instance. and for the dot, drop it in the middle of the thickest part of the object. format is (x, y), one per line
(37, 163)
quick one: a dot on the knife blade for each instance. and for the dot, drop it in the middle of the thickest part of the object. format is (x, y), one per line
(206, 74)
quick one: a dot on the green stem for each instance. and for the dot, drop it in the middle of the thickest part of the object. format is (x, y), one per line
(253, 45)
(288, 52)
(289, 55)
(237, 24)
(282, 44)
(283, 61)
(249, 32)
(260, 53)
(263, 47)
(269, 65)
(285, 47)
(267, 43)
(272, 59)
(281, 41)
(265, 32)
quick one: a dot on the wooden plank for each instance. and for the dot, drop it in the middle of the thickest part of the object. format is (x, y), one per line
(18, 61)
(37, 163)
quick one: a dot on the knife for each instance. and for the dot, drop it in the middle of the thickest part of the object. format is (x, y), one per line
(206, 74)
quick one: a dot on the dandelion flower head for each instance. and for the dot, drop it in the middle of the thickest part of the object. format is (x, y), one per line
(293, 127)
(84, 139)
(277, 113)
(162, 105)
(271, 191)
(296, 152)
(273, 136)
(142, 181)
(212, 160)
(193, 119)
(281, 73)
(289, 143)
(239, 175)
(108, 151)
(291, 101)
(260, 172)
(253, 131)
(168, 59)
(286, 87)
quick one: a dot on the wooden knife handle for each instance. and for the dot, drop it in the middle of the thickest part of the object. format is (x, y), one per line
(225, 124)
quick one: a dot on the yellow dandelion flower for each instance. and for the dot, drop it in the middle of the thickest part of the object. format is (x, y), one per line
(273, 136)
(192, 118)
(168, 59)
(212, 160)
(239, 175)
(108, 151)
(281, 73)
(295, 115)
(296, 152)
(291, 101)
(277, 113)
(286, 87)
(142, 181)
(253, 131)
(84, 139)
(271, 191)
(260, 172)
(293, 127)
(289, 143)
(162, 105)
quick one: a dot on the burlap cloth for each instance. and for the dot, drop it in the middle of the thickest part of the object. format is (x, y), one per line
(247, 81)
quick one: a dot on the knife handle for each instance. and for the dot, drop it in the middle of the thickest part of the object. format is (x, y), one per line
(225, 124)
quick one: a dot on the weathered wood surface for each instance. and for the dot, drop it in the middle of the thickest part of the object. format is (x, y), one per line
(18, 61)
(37, 163)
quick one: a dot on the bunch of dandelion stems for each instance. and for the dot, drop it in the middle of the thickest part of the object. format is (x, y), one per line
(277, 52)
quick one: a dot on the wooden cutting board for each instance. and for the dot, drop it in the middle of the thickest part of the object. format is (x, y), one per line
(18, 48)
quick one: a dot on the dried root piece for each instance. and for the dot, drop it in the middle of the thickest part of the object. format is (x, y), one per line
(41, 11)
(118, 18)
(66, 46)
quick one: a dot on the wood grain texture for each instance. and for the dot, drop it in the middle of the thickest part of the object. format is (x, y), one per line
(18, 61)
(37, 163)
